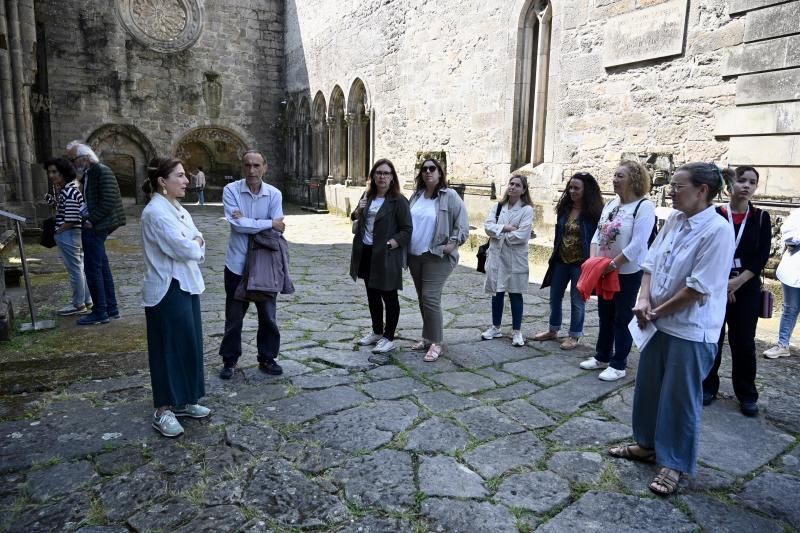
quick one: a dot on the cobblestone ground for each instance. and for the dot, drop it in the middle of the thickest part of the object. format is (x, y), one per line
(488, 438)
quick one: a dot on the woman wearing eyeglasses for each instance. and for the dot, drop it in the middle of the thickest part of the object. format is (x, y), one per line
(622, 234)
(440, 227)
(379, 254)
(508, 226)
(682, 300)
(577, 213)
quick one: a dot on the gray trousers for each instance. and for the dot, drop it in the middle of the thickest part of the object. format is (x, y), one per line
(429, 273)
(668, 399)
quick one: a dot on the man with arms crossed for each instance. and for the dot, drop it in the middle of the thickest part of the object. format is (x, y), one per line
(251, 206)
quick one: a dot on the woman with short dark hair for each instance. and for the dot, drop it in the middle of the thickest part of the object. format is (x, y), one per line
(382, 234)
(682, 303)
(577, 212)
(69, 204)
(173, 247)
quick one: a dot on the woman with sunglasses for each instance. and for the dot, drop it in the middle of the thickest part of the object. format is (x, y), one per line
(682, 302)
(382, 235)
(753, 231)
(622, 233)
(577, 214)
(508, 226)
(440, 227)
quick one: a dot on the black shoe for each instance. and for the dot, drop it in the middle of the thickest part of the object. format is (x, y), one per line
(749, 408)
(708, 398)
(270, 367)
(227, 372)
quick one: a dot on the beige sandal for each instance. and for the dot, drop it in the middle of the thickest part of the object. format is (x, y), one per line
(666, 482)
(633, 452)
(420, 346)
(570, 343)
(433, 353)
(545, 336)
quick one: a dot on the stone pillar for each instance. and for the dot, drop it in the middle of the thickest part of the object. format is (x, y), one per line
(7, 97)
(19, 90)
(540, 88)
(349, 120)
(330, 124)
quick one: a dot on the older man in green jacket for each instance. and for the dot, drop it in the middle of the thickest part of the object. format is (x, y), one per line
(104, 213)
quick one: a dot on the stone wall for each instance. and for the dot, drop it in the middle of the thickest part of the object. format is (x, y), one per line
(205, 91)
(442, 75)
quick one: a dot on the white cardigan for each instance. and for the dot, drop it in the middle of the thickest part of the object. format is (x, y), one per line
(170, 251)
(789, 268)
(507, 259)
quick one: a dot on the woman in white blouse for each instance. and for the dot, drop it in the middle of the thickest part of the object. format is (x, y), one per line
(788, 274)
(173, 247)
(682, 301)
(622, 233)
(508, 226)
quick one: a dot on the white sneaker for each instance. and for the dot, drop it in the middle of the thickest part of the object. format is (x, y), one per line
(777, 351)
(517, 340)
(384, 346)
(167, 424)
(492, 333)
(592, 364)
(611, 374)
(369, 340)
(191, 410)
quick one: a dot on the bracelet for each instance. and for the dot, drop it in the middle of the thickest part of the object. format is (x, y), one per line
(613, 265)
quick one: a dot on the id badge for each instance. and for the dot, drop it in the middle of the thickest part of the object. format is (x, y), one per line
(737, 263)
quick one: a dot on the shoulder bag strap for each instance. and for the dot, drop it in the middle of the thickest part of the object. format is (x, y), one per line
(497, 212)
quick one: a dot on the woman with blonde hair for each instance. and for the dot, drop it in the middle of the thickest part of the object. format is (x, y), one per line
(508, 225)
(622, 235)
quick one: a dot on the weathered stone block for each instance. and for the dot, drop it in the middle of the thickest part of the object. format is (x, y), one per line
(773, 54)
(773, 150)
(740, 6)
(780, 86)
(772, 21)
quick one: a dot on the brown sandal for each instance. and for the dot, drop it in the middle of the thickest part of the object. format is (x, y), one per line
(627, 452)
(545, 336)
(666, 482)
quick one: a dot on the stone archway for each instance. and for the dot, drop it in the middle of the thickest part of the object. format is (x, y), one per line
(358, 128)
(338, 139)
(218, 150)
(127, 151)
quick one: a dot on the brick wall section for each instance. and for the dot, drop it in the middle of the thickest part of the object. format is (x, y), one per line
(99, 74)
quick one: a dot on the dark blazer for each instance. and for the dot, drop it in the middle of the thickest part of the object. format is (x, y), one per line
(393, 221)
(101, 193)
(754, 248)
(588, 228)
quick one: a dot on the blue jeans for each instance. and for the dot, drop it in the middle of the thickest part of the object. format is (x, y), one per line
(668, 399)
(564, 274)
(516, 309)
(98, 273)
(201, 197)
(614, 340)
(791, 308)
(69, 244)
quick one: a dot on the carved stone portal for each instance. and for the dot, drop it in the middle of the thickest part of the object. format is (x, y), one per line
(165, 26)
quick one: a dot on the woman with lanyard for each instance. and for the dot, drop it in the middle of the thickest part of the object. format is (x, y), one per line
(753, 231)
(682, 305)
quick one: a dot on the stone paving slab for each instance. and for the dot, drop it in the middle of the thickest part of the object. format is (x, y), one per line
(569, 396)
(713, 515)
(444, 476)
(310, 405)
(538, 492)
(447, 514)
(437, 435)
(775, 495)
(501, 455)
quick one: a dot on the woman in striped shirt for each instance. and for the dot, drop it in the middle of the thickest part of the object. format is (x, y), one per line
(68, 202)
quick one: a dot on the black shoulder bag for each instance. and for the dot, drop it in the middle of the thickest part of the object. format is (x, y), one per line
(483, 248)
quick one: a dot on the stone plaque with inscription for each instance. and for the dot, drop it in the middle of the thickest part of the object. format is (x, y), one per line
(644, 34)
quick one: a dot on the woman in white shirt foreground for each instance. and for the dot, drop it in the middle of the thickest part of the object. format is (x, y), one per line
(507, 259)
(173, 247)
(683, 294)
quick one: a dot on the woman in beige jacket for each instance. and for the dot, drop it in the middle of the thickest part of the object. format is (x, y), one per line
(508, 226)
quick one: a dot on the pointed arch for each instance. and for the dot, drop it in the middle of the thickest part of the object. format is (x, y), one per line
(338, 142)
(304, 134)
(358, 126)
(319, 139)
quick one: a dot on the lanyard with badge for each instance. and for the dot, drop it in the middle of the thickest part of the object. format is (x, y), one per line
(737, 263)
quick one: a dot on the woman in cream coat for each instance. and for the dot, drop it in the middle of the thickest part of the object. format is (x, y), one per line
(173, 247)
(507, 258)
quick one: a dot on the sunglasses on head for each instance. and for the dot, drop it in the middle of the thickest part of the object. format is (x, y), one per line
(429, 168)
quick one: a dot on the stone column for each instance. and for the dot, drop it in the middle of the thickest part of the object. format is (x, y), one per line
(349, 120)
(7, 97)
(330, 123)
(21, 109)
(540, 88)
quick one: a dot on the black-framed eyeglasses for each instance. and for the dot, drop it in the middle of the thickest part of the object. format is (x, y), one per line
(429, 168)
(379, 173)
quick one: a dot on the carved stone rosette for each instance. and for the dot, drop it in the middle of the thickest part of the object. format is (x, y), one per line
(166, 26)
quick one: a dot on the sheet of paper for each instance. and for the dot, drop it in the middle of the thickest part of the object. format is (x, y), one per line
(641, 336)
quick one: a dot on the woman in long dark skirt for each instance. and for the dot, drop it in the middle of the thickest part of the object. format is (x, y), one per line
(173, 247)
